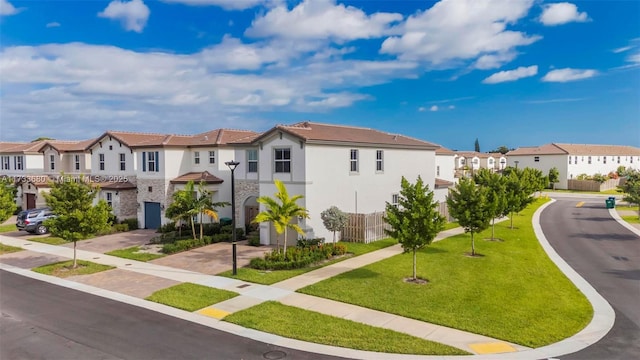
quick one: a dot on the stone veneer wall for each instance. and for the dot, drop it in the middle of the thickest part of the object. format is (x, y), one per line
(158, 194)
(128, 207)
(244, 190)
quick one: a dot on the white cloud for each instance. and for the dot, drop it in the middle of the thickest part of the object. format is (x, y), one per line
(511, 75)
(622, 49)
(451, 107)
(561, 13)
(568, 74)
(132, 14)
(53, 24)
(322, 19)
(433, 108)
(225, 4)
(7, 9)
(422, 109)
(453, 31)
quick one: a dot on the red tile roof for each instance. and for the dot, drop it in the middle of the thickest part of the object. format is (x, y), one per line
(197, 177)
(20, 147)
(471, 154)
(209, 138)
(444, 151)
(440, 183)
(66, 146)
(312, 132)
(576, 149)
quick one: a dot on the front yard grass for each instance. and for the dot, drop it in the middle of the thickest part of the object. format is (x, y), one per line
(190, 297)
(6, 249)
(134, 253)
(51, 240)
(272, 277)
(631, 219)
(8, 228)
(63, 269)
(451, 225)
(513, 292)
(295, 323)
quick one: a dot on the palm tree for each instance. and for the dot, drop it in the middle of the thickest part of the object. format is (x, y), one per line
(204, 204)
(280, 211)
(189, 204)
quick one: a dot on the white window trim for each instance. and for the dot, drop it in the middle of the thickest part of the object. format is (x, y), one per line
(212, 157)
(380, 161)
(196, 157)
(253, 161)
(354, 160)
(275, 161)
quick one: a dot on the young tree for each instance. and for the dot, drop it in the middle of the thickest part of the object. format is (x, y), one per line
(477, 145)
(520, 186)
(554, 177)
(7, 198)
(501, 149)
(76, 218)
(468, 204)
(334, 220)
(631, 188)
(189, 204)
(415, 221)
(280, 211)
(204, 204)
(496, 199)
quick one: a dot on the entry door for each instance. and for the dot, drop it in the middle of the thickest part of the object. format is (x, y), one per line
(250, 213)
(31, 201)
(152, 215)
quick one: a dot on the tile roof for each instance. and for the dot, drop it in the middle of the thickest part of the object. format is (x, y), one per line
(20, 147)
(312, 132)
(444, 151)
(196, 177)
(209, 138)
(470, 154)
(440, 184)
(576, 149)
(223, 137)
(66, 146)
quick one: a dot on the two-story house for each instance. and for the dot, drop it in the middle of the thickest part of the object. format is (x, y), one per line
(24, 165)
(356, 169)
(572, 160)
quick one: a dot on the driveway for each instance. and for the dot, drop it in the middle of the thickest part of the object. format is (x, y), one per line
(212, 259)
(607, 255)
(121, 240)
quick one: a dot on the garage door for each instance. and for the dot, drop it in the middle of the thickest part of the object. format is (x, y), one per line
(151, 215)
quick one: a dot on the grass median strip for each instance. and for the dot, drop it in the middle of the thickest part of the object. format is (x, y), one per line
(64, 269)
(51, 240)
(272, 277)
(190, 297)
(631, 219)
(6, 249)
(513, 292)
(135, 253)
(305, 325)
(8, 228)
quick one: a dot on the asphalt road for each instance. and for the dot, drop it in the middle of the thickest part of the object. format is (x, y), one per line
(43, 321)
(607, 255)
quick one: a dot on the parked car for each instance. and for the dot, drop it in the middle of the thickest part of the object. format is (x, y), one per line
(32, 220)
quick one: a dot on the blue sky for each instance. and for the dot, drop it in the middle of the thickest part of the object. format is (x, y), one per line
(508, 72)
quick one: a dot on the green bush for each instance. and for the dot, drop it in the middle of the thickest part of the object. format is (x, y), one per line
(297, 257)
(18, 209)
(132, 223)
(170, 238)
(221, 238)
(226, 229)
(121, 227)
(254, 240)
(182, 245)
(309, 242)
(210, 229)
(166, 228)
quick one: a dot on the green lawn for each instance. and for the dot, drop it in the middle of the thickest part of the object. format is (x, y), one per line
(272, 277)
(450, 225)
(134, 253)
(627, 207)
(295, 323)
(190, 297)
(63, 269)
(8, 228)
(513, 292)
(5, 249)
(51, 240)
(631, 219)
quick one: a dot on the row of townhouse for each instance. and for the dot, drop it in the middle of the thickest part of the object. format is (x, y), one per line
(467, 162)
(572, 160)
(356, 169)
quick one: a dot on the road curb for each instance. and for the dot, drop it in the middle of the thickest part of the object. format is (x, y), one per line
(614, 214)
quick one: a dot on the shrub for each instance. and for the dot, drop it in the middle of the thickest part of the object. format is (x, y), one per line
(112, 219)
(169, 238)
(297, 257)
(221, 238)
(18, 209)
(211, 228)
(226, 229)
(121, 227)
(309, 242)
(182, 245)
(166, 228)
(254, 240)
(132, 223)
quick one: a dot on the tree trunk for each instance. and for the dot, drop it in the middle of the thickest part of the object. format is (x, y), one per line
(493, 229)
(473, 248)
(201, 226)
(75, 262)
(553, 186)
(415, 277)
(334, 238)
(284, 246)
(511, 215)
(193, 228)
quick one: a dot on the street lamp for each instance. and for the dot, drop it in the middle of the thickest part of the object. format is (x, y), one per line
(232, 166)
(516, 162)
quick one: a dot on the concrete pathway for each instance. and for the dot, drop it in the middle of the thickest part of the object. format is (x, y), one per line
(253, 294)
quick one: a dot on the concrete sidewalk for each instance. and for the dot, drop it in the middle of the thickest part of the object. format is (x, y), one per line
(253, 294)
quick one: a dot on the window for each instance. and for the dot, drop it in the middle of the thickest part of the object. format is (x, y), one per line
(123, 162)
(463, 161)
(101, 161)
(76, 160)
(282, 160)
(354, 161)
(379, 160)
(438, 170)
(618, 159)
(589, 160)
(252, 161)
(536, 158)
(631, 159)
(575, 160)
(109, 199)
(196, 157)
(150, 161)
(212, 157)
(110, 147)
(52, 162)
(395, 199)
(570, 160)
(18, 162)
(604, 159)
(598, 158)
(5, 163)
